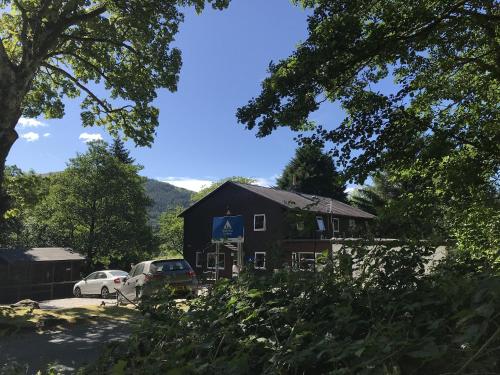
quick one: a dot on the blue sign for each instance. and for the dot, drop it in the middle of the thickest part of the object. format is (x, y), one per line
(228, 228)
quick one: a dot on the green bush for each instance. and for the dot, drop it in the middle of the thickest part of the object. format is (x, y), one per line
(387, 316)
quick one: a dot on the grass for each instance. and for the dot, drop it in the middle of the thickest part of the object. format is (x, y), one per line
(14, 320)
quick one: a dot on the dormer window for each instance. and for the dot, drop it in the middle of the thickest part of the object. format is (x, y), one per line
(259, 222)
(321, 223)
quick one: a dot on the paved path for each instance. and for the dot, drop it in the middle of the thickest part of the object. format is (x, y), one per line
(71, 347)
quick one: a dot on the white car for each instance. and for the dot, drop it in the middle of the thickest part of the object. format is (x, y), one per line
(102, 283)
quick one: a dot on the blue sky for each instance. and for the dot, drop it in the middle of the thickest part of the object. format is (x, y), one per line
(225, 57)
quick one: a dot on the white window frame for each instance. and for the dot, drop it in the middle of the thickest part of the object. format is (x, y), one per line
(223, 261)
(199, 259)
(335, 220)
(318, 219)
(265, 223)
(296, 259)
(255, 262)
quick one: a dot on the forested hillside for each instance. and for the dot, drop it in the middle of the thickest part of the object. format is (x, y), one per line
(164, 196)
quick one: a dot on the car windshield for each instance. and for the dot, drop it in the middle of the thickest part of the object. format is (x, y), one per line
(118, 273)
(169, 265)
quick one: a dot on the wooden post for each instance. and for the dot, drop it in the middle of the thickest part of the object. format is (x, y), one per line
(52, 285)
(240, 256)
(217, 249)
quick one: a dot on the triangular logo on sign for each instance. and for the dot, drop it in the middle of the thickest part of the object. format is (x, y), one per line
(227, 226)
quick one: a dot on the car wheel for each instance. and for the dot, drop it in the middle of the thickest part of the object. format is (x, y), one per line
(77, 292)
(104, 292)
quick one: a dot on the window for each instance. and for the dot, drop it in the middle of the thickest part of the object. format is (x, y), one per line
(304, 261)
(260, 260)
(118, 273)
(92, 276)
(174, 265)
(211, 261)
(335, 224)
(321, 223)
(137, 270)
(259, 222)
(198, 259)
(101, 275)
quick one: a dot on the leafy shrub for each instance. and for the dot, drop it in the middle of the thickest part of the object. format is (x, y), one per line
(387, 316)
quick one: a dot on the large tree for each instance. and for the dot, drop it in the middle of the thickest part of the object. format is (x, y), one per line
(26, 190)
(171, 232)
(389, 198)
(51, 49)
(436, 126)
(444, 58)
(97, 206)
(118, 150)
(313, 172)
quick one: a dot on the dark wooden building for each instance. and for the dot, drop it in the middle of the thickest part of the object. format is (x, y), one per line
(293, 225)
(38, 273)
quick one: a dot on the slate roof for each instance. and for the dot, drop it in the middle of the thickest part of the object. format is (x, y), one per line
(295, 200)
(39, 254)
(307, 202)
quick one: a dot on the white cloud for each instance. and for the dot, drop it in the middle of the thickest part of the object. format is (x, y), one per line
(90, 137)
(193, 184)
(30, 136)
(26, 122)
(46, 135)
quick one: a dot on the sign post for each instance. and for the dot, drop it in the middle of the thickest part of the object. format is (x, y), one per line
(217, 250)
(228, 229)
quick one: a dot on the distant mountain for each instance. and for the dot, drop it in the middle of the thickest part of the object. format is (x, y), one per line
(165, 196)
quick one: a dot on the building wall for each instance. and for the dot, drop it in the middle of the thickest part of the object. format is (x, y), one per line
(239, 201)
(280, 227)
(38, 280)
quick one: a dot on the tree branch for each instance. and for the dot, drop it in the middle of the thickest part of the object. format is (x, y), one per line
(432, 24)
(75, 80)
(101, 103)
(4, 57)
(51, 35)
(24, 28)
(101, 40)
(82, 17)
(79, 58)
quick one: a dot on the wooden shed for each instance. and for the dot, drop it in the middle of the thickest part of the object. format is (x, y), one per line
(38, 273)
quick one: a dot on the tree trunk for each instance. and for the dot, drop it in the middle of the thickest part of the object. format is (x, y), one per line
(10, 112)
(14, 84)
(7, 139)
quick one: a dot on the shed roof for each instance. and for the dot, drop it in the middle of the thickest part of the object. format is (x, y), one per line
(296, 200)
(39, 254)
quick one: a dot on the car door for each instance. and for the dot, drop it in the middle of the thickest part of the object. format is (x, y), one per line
(128, 288)
(86, 286)
(127, 285)
(101, 281)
